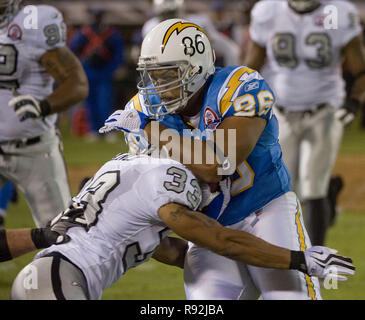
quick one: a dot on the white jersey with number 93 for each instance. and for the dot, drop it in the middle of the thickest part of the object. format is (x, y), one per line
(304, 50)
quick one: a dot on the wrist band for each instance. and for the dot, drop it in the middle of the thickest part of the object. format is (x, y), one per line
(297, 261)
(38, 238)
(5, 254)
(45, 108)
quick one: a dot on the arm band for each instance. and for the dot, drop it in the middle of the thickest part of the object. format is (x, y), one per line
(45, 108)
(297, 261)
(38, 238)
(5, 254)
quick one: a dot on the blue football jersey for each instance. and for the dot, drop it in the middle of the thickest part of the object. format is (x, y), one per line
(238, 91)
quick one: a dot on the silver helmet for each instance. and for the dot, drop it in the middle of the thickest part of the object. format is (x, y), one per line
(8, 8)
(303, 6)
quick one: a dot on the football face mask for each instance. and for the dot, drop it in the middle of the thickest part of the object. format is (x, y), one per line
(164, 87)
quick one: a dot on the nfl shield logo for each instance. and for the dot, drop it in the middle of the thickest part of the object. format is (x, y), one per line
(211, 119)
(15, 32)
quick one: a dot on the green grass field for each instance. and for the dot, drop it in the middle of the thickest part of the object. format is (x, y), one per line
(155, 281)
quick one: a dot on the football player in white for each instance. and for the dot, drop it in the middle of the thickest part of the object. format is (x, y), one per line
(167, 9)
(305, 43)
(33, 55)
(126, 212)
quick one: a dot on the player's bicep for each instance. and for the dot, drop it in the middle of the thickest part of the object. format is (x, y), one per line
(62, 64)
(191, 225)
(247, 131)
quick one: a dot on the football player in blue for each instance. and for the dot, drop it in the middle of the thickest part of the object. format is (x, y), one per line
(180, 88)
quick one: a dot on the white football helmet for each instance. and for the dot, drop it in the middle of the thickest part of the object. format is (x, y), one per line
(303, 6)
(175, 62)
(8, 8)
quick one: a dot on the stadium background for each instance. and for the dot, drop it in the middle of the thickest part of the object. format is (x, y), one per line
(153, 280)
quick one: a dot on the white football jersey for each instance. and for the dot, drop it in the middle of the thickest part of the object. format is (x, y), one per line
(304, 50)
(21, 48)
(122, 202)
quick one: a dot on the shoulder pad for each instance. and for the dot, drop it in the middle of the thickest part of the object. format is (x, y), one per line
(43, 27)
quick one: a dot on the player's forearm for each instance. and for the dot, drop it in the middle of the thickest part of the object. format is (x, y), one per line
(15, 243)
(66, 69)
(358, 89)
(254, 251)
(71, 91)
(20, 241)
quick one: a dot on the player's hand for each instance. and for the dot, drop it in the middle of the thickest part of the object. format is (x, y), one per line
(216, 198)
(55, 231)
(138, 144)
(347, 113)
(123, 120)
(323, 262)
(71, 217)
(26, 107)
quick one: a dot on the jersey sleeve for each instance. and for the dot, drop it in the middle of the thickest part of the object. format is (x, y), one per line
(246, 94)
(348, 21)
(261, 21)
(51, 31)
(169, 183)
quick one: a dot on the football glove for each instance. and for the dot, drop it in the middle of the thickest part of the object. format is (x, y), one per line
(73, 216)
(323, 262)
(124, 120)
(347, 113)
(138, 144)
(26, 107)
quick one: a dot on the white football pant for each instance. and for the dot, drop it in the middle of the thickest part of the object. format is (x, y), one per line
(310, 145)
(39, 171)
(208, 276)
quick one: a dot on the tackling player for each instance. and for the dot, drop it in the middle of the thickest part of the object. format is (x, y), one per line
(304, 53)
(126, 212)
(32, 58)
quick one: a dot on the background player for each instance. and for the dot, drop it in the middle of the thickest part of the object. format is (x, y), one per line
(304, 67)
(30, 145)
(126, 225)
